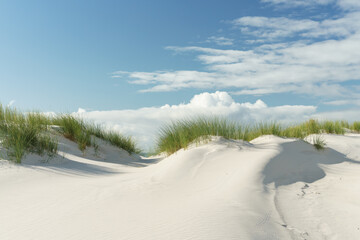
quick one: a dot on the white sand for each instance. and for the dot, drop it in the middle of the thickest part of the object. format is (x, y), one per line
(271, 188)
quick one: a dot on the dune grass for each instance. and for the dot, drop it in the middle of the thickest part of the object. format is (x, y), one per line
(114, 138)
(83, 133)
(319, 142)
(27, 133)
(74, 129)
(355, 126)
(21, 134)
(181, 134)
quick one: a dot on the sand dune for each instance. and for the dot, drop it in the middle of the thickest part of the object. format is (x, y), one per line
(270, 188)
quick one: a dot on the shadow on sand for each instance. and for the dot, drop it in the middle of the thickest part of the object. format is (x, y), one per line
(299, 161)
(90, 165)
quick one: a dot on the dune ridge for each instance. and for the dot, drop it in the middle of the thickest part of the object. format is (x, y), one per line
(269, 188)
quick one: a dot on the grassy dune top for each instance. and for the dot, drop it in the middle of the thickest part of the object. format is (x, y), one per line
(181, 134)
(34, 133)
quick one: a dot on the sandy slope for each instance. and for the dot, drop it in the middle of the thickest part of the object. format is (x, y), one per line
(271, 188)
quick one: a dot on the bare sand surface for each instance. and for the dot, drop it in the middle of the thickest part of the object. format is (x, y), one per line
(270, 188)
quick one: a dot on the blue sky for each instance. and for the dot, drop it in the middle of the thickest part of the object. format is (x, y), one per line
(66, 51)
(114, 58)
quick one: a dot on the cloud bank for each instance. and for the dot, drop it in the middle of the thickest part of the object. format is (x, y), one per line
(144, 123)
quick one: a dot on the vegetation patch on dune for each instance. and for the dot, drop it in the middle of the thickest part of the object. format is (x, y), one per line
(21, 134)
(319, 143)
(32, 133)
(180, 134)
(82, 132)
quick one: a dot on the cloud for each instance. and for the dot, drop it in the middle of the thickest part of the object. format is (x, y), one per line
(222, 41)
(213, 56)
(11, 103)
(348, 115)
(298, 3)
(288, 67)
(271, 29)
(81, 110)
(144, 123)
(344, 102)
(349, 5)
(286, 55)
(319, 90)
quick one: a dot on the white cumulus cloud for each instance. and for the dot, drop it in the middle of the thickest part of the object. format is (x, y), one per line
(144, 123)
